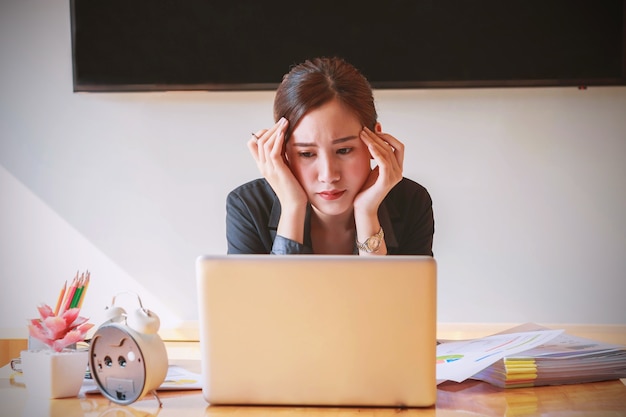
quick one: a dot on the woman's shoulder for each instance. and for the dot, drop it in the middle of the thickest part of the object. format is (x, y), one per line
(257, 189)
(408, 190)
(259, 184)
(407, 185)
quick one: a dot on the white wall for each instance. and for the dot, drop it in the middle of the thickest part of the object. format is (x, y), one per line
(528, 186)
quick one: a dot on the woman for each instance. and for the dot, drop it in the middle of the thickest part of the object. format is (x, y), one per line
(319, 193)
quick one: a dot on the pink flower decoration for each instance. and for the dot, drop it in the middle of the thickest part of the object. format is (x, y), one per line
(58, 332)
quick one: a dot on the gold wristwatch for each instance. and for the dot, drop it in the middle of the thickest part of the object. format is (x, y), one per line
(372, 243)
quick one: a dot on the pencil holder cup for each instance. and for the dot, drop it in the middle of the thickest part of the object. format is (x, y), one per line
(50, 374)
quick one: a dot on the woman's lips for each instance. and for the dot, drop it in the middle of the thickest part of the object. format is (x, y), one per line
(331, 195)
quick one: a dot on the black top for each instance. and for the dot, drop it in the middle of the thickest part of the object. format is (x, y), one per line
(253, 211)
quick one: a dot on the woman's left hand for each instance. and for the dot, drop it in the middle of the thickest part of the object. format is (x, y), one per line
(388, 152)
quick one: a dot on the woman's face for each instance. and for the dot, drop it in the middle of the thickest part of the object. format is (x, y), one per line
(328, 158)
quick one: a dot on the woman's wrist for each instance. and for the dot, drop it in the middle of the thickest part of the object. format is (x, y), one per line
(369, 234)
(291, 223)
(373, 244)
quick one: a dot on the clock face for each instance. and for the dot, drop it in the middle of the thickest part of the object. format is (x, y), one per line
(117, 364)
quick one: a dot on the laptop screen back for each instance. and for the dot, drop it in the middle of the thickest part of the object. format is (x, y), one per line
(318, 330)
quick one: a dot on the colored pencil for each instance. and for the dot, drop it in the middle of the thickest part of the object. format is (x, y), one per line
(79, 290)
(69, 295)
(60, 299)
(82, 294)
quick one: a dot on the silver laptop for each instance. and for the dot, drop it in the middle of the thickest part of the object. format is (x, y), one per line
(318, 330)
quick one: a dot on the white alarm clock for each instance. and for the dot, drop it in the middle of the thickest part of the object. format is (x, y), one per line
(127, 358)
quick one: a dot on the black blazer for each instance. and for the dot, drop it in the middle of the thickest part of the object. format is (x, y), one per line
(253, 211)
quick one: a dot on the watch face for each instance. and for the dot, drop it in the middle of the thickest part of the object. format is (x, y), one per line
(373, 243)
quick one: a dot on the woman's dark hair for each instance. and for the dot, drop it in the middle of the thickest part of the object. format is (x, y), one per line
(317, 81)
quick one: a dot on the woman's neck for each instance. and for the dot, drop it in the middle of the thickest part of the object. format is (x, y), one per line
(343, 222)
(332, 234)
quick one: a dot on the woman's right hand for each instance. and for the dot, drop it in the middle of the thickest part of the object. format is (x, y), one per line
(267, 148)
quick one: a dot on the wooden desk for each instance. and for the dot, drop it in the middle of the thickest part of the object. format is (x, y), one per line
(470, 398)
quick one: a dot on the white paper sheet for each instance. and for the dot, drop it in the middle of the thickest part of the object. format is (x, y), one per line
(177, 378)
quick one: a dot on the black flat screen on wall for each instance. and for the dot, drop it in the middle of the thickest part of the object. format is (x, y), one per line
(156, 45)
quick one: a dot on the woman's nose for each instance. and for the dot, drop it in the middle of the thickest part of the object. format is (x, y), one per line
(328, 171)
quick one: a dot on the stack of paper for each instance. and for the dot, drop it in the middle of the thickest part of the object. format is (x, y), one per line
(460, 360)
(566, 359)
(540, 356)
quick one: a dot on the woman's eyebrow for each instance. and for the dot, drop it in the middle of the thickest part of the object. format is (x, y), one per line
(334, 142)
(347, 138)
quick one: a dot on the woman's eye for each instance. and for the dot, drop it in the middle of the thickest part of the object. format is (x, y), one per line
(344, 151)
(306, 154)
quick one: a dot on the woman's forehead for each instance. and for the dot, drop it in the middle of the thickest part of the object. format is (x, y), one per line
(329, 122)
